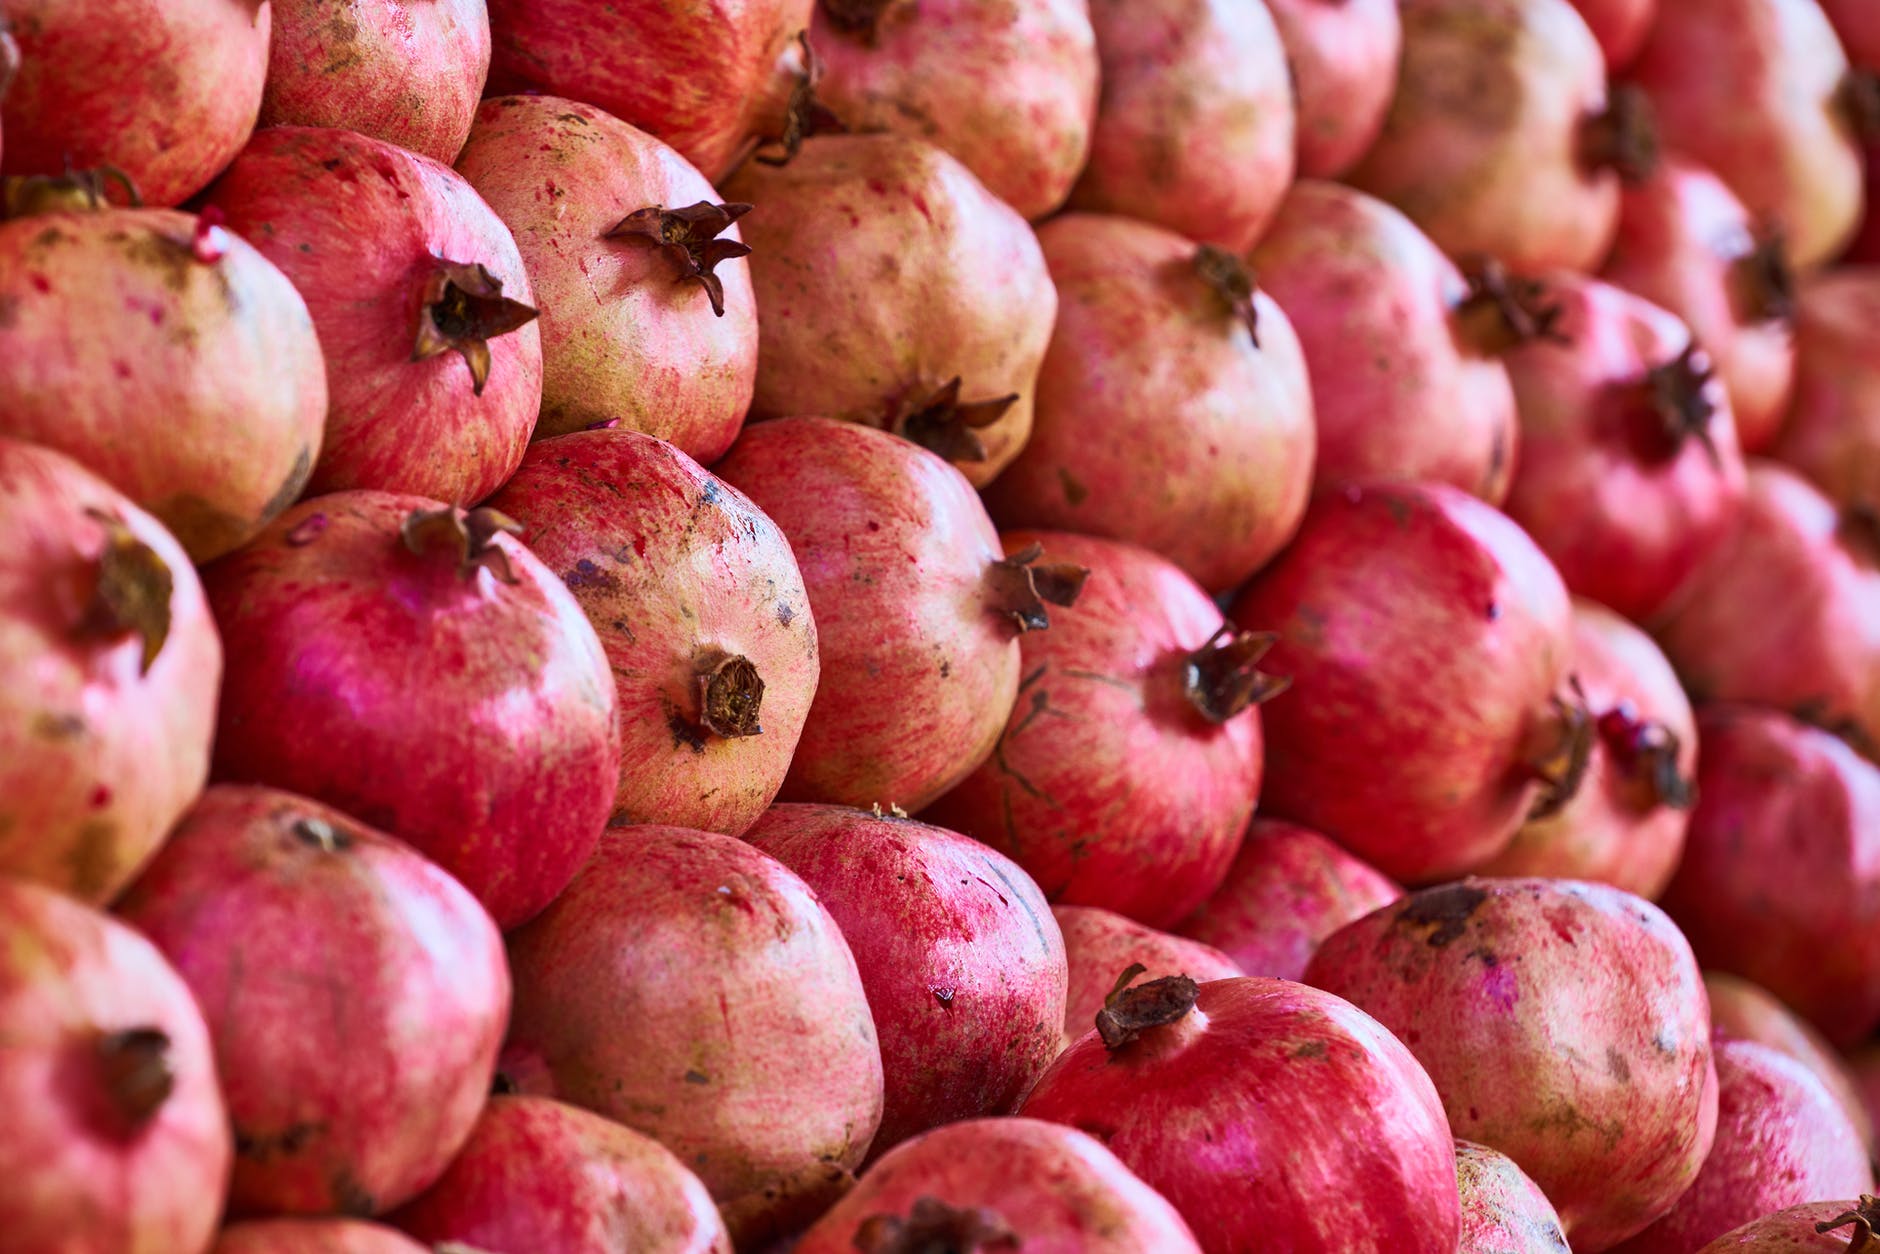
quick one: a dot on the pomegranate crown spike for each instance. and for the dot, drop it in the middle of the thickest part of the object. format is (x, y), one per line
(462, 308)
(947, 427)
(1559, 751)
(689, 236)
(1021, 589)
(1223, 678)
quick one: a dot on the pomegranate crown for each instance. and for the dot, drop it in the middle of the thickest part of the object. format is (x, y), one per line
(858, 19)
(1502, 311)
(75, 191)
(1623, 137)
(1129, 1012)
(803, 115)
(1223, 678)
(1233, 285)
(944, 425)
(1559, 750)
(935, 1227)
(469, 538)
(462, 308)
(689, 236)
(1021, 589)
(1677, 396)
(130, 592)
(1646, 752)
(1865, 1218)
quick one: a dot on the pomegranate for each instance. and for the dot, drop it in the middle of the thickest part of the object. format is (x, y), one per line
(405, 72)
(1209, 464)
(1620, 26)
(918, 610)
(109, 667)
(1828, 1227)
(1780, 881)
(1833, 431)
(1344, 57)
(623, 241)
(1196, 125)
(1503, 1212)
(117, 1137)
(1563, 1023)
(1100, 946)
(312, 1236)
(1418, 739)
(1289, 889)
(165, 90)
(694, 989)
(897, 292)
(701, 609)
(418, 668)
(1011, 90)
(548, 1178)
(996, 1185)
(1746, 1011)
(1402, 349)
(1687, 243)
(1199, 1089)
(405, 270)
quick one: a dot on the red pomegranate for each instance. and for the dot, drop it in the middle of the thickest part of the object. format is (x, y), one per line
(1401, 348)
(1503, 1212)
(1421, 738)
(996, 1185)
(1620, 26)
(1209, 464)
(1200, 1088)
(1289, 889)
(1100, 946)
(1563, 1023)
(964, 968)
(1833, 429)
(166, 91)
(118, 1139)
(417, 667)
(899, 293)
(1811, 1228)
(541, 1176)
(701, 609)
(405, 71)
(624, 242)
(918, 610)
(405, 271)
(109, 668)
(1196, 125)
(1344, 56)
(312, 1236)
(694, 989)
(1746, 1011)
(1011, 90)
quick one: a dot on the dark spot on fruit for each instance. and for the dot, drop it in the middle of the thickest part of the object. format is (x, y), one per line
(1312, 1049)
(93, 862)
(587, 575)
(1617, 1065)
(697, 1077)
(1486, 958)
(1075, 493)
(942, 995)
(58, 726)
(946, 668)
(9, 310)
(684, 735)
(331, 164)
(1445, 909)
(267, 1147)
(1493, 611)
(349, 1197)
(785, 613)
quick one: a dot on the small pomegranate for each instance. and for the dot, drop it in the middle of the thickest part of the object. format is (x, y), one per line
(1620, 26)
(1503, 1212)
(1833, 430)
(1811, 1228)
(1748, 1012)
(1344, 59)
(313, 1236)
(1100, 945)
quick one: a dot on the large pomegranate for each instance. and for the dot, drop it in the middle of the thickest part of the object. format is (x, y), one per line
(433, 364)
(647, 313)
(1503, 1212)
(313, 1236)
(1563, 1023)
(918, 610)
(1344, 57)
(1620, 26)
(165, 90)
(1847, 1227)
(701, 609)
(418, 668)
(1747, 1011)
(1208, 463)
(117, 1137)
(1100, 946)
(109, 668)
(694, 988)
(897, 292)
(1833, 429)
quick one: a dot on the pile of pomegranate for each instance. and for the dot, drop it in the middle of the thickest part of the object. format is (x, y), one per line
(939, 626)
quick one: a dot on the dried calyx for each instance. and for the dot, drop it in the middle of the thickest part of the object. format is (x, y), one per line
(858, 19)
(1020, 588)
(1558, 751)
(1676, 406)
(1623, 138)
(1865, 1218)
(1502, 312)
(689, 236)
(1859, 99)
(137, 1074)
(468, 537)
(1232, 283)
(1222, 677)
(1763, 285)
(942, 424)
(462, 308)
(130, 592)
(1129, 1012)
(803, 115)
(1646, 752)
(730, 696)
(934, 1227)
(75, 191)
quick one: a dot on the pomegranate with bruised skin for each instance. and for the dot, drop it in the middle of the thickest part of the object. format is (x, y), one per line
(313, 1236)
(1833, 429)
(1100, 945)
(1503, 1212)
(1812, 1228)
(1343, 56)
(417, 290)
(1748, 1012)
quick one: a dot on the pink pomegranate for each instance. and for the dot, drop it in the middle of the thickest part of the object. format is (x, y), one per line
(1289, 889)
(701, 609)
(1402, 350)
(1833, 430)
(694, 989)
(1011, 90)
(996, 1185)
(1748, 1012)
(313, 1236)
(918, 610)
(109, 668)
(166, 91)
(1200, 1088)
(1780, 881)
(417, 667)
(549, 1178)
(1421, 739)
(1344, 56)
(118, 1139)
(1620, 26)
(405, 71)
(1210, 464)
(1563, 1023)
(1687, 243)
(899, 293)
(1196, 125)
(405, 271)
(624, 243)
(1100, 946)
(1825, 1227)
(1503, 1212)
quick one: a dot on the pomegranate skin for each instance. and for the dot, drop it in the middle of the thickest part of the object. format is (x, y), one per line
(1100, 945)
(1254, 1070)
(1210, 464)
(165, 90)
(1833, 429)
(1289, 889)
(118, 1138)
(1196, 126)
(624, 337)
(964, 968)
(1055, 1189)
(406, 72)
(550, 1178)
(694, 989)
(99, 753)
(1620, 26)
(1399, 385)
(1857, 25)
(1564, 1024)
(1503, 1212)
(361, 240)
(1745, 1011)
(1344, 56)
(425, 697)
(1797, 1230)
(312, 1236)
(1410, 737)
